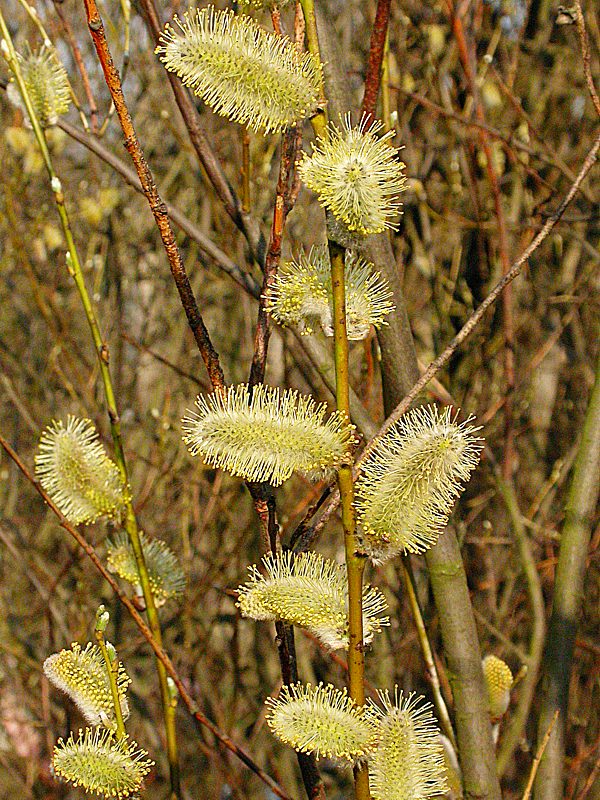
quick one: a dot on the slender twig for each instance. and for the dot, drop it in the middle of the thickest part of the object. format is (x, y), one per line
(77, 57)
(319, 120)
(519, 715)
(157, 648)
(432, 673)
(376, 53)
(538, 757)
(112, 669)
(289, 144)
(507, 303)
(585, 55)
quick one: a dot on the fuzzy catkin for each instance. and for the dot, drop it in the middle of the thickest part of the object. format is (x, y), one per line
(267, 434)
(47, 85)
(301, 294)
(311, 591)
(101, 764)
(165, 573)
(242, 71)
(408, 761)
(410, 481)
(83, 675)
(357, 176)
(80, 478)
(322, 720)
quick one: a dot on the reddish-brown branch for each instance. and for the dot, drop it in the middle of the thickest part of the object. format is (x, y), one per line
(289, 145)
(160, 653)
(157, 206)
(585, 55)
(376, 53)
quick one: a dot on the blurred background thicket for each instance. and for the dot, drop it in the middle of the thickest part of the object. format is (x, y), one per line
(540, 124)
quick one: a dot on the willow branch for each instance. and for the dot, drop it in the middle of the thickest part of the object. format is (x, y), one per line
(157, 206)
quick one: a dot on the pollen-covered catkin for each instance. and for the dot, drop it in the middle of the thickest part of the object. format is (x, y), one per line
(242, 71)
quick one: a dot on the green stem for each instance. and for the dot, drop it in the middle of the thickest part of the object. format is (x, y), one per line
(566, 604)
(319, 121)
(112, 668)
(102, 352)
(355, 561)
(413, 600)
(519, 716)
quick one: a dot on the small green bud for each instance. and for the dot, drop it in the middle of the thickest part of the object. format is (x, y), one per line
(102, 618)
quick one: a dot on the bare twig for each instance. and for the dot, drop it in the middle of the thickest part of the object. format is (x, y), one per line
(376, 52)
(585, 55)
(160, 653)
(157, 206)
(538, 758)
